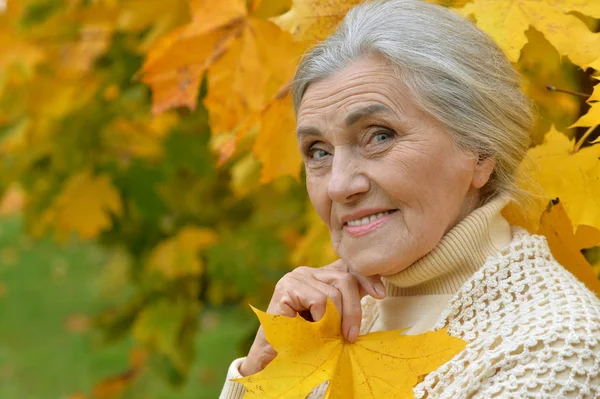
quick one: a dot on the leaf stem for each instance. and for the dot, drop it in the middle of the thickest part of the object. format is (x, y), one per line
(554, 88)
(582, 139)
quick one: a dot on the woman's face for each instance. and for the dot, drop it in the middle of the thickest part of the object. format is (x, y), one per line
(383, 175)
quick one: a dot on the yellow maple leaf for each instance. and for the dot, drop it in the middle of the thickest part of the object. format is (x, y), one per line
(270, 8)
(175, 64)
(84, 206)
(595, 65)
(572, 176)
(178, 255)
(276, 146)
(314, 19)
(158, 16)
(378, 365)
(247, 77)
(592, 117)
(248, 60)
(566, 246)
(507, 21)
(539, 64)
(587, 236)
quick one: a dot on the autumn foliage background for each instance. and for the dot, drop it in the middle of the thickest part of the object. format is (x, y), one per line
(152, 187)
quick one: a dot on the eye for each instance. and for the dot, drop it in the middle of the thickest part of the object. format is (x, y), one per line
(317, 153)
(381, 136)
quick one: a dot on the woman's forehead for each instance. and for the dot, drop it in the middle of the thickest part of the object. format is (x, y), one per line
(361, 89)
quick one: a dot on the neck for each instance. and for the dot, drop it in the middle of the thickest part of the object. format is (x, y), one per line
(459, 254)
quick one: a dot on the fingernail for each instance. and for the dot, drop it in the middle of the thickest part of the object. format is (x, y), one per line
(353, 334)
(380, 289)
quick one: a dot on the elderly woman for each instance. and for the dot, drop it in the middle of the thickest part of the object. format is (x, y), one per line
(412, 126)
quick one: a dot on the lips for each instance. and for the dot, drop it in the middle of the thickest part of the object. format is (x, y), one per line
(367, 224)
(360, 214)
(367, 219)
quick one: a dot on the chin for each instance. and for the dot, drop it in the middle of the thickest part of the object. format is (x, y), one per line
(374, 264)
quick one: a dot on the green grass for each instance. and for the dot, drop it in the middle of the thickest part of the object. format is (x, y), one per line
(43, 285)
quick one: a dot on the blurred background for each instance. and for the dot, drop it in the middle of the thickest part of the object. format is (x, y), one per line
(127, 257)
(136, 226)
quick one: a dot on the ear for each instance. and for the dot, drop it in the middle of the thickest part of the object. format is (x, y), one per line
(482, 172)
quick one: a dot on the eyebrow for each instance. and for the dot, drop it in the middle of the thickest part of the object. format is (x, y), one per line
(351, 119)
(366, 111)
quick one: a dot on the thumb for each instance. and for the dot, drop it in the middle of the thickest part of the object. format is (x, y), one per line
(371, 285)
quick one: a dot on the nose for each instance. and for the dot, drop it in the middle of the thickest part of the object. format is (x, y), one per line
(347, 182)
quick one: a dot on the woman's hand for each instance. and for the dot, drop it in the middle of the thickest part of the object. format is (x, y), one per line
(305, 290)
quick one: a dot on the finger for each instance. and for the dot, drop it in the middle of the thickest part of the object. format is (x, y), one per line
(338, 265)
(328, 291)
(294, 294)
(348, 287)
(351, 309)
(371, 285)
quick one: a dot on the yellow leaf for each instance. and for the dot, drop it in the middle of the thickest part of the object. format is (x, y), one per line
(314, 247)
(178, 256)
(587, 236)
(383, 364)
(276, 146)
(314, 19)
(175, 64)
(242, 82)
(158, 15)
(595, 65)
(574, 177)
(270, 8)
(557, 228)
(175, 75)
(248, 61)
(139, 138)
(235, 75)
(84, 206)
(244, 175)
(507, 21)
(18, 52)
(539, 64)
(592, 117)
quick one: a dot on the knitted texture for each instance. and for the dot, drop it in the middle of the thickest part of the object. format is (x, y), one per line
(532, 329)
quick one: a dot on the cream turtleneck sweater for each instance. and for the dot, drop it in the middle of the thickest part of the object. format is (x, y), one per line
(417, 295)
(533, 329)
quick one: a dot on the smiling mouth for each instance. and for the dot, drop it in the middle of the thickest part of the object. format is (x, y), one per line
(368, 219)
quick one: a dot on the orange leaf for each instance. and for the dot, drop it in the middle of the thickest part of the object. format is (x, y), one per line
(556, 226)
(113, 387)
(314, 19)
(175, 64)
(243, 81)
(175, 76)
(587, 236)
(276, 145)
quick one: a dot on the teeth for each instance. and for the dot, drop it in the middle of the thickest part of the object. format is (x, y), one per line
(368, 219)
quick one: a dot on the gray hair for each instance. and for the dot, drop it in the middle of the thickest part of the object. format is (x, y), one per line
(454, 72)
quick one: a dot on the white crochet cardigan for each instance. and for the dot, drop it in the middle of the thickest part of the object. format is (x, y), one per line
(533, 331)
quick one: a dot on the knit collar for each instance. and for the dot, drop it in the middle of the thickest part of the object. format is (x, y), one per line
(459, 254)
